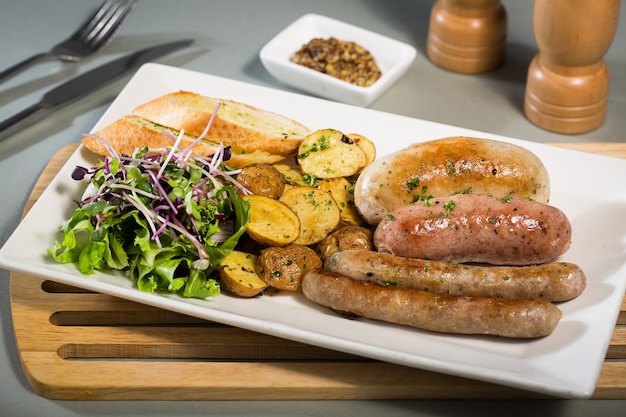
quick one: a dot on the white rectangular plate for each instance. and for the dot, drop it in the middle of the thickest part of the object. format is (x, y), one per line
(588, 188)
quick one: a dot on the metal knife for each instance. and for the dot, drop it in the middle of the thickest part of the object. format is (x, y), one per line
(83, 84)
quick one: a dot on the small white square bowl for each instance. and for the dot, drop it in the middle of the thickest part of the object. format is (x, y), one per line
(393, 58)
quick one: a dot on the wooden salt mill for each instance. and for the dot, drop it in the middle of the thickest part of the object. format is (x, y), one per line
(568, 81)
(467, 36)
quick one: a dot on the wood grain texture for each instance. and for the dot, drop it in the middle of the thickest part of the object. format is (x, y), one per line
(467, 36)
(568, 81)
(79, 345)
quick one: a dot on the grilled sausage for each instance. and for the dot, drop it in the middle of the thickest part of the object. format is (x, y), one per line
(428, 311)
(554, 281)
(476, 228)
(448, 166)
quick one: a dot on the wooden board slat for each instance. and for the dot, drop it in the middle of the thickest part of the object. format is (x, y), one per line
(80, 345)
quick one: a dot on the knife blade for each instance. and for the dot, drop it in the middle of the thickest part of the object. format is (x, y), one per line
(84, 84)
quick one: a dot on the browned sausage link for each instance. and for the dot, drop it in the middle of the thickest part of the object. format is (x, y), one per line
(428, 311)
(555, 281)
(476, 228)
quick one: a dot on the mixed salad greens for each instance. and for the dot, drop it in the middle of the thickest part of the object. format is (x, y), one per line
(163, 216)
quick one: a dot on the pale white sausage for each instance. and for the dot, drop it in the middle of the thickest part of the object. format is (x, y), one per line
(448, 166)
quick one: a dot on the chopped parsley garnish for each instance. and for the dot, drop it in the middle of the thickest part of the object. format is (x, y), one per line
(309, 179)
(449, 206)
(506, 198)
(451, 167)
(413, 184)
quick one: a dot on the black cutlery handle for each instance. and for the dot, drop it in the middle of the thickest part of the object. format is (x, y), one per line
(21, 66)
(22, 119)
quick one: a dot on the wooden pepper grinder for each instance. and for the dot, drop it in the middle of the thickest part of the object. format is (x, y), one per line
(467, 36)
(568, 81)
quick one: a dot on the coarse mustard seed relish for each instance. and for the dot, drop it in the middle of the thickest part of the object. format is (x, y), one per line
(345, 60)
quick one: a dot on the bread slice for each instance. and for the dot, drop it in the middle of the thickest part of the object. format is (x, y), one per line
(239, 125)
(131, 132)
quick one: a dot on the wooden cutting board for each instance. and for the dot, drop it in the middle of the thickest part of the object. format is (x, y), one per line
(79, 345)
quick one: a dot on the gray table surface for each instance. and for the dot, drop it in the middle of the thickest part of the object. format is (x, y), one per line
(229, 35)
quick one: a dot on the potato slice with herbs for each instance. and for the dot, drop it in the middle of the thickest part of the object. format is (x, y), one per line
(271, 222)
(262, 179)
(349, 237)
(366, 145)
(328, 153)
(238, 274)
(342, 191)
(295, 176)
(283, 268)
(317, 210)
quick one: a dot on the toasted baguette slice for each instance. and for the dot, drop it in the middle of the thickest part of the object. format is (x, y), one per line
(240, 125)
(131, 132)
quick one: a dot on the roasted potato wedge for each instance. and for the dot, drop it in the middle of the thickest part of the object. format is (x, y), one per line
(344, 238)
(238, 274)
(317, 211)
(295, 176)
(272, 223)
(342, 191)
(328, 153)
(366, 145)
(262, 179)
(283, 268)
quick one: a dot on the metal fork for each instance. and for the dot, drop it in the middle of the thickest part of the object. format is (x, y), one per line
(95, 33)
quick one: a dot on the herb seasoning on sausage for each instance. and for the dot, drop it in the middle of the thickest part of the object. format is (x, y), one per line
(345, 60)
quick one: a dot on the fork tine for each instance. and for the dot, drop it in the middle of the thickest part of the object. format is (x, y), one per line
(95, 20)
(116, 23)
(88, 24)
(107, 21)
